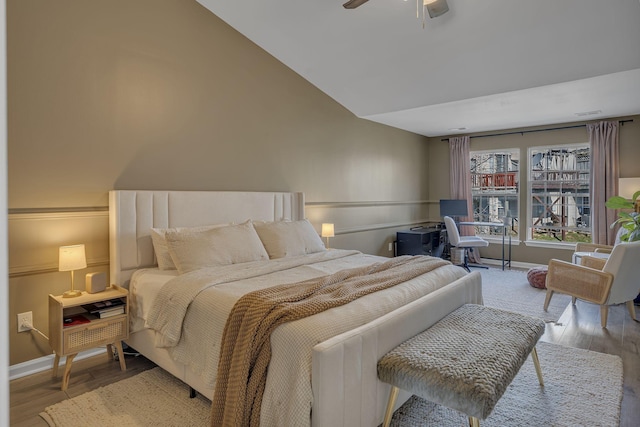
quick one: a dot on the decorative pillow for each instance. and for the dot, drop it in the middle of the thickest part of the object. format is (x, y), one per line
(537, 277)
(289, 238)
(160, 243)
(233, 244)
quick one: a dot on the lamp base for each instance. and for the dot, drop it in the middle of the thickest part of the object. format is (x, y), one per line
(71, 294)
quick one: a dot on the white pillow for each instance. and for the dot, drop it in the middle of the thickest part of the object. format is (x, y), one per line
(289, 238)
(233, 244)
(160, 243)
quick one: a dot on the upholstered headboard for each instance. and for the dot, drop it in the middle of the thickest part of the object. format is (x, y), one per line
(133, 213)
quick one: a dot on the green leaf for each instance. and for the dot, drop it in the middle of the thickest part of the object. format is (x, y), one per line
(617, 202)
(626, 216)
(628, 221)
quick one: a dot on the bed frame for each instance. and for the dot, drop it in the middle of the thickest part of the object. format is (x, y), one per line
(344, 380)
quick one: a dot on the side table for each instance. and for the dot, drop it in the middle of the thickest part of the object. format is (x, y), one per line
(85, 322)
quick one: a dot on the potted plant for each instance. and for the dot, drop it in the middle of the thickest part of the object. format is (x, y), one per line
(629, 221)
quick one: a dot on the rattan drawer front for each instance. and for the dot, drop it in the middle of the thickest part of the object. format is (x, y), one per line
(97, 333)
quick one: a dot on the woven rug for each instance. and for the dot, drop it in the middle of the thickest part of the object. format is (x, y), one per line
(510, 290)
(581, 388)
(151, 398)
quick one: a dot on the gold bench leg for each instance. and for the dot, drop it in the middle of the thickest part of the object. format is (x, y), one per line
(390, 404)
(474, 422)
(536, 362)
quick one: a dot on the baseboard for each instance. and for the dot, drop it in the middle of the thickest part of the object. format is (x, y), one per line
(514, 264)
(45, 363)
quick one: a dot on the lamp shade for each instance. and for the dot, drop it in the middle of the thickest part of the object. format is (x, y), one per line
(628, 186)
(327, 230)
(72, 258)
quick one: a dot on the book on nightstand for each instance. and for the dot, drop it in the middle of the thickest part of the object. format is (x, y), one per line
(77, 319)
(114, 311)
(97, 307)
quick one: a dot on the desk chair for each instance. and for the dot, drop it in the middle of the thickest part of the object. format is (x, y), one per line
(463, 242)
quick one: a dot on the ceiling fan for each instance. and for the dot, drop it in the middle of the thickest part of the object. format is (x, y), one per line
(434, 7)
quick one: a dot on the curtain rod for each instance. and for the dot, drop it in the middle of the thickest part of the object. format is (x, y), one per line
(522, 132)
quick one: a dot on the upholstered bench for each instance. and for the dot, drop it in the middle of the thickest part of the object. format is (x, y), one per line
(465, 361)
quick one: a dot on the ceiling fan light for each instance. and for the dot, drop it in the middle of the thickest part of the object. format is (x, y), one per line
(436, 7)
(352, 4)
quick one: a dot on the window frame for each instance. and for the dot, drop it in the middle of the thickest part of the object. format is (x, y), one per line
(530, 241)
(497, 232)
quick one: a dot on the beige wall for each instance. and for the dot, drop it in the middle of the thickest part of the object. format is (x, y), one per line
(439, 168)
(151, 94)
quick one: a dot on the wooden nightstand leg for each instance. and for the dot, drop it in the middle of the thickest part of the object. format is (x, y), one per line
(56, 362)
(109, 352)
(67, 371)
(123, 365)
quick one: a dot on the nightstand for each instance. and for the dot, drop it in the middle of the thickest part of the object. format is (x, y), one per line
(85, 322)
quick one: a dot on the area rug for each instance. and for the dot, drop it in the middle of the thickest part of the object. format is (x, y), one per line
(151, 398)
(581, 388)
(510, 290)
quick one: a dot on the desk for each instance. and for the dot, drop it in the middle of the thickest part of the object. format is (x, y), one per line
(505, 224)
(419, 241)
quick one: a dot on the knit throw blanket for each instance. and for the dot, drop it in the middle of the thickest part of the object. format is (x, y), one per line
(246, 348)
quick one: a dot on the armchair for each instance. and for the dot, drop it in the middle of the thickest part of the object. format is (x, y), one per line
(583, 248)
(593, 247)
(618, 281)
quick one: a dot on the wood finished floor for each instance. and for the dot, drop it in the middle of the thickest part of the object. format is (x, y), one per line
(579, 326)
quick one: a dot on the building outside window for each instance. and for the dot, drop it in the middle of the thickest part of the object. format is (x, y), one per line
(494, 189)
(559, 193)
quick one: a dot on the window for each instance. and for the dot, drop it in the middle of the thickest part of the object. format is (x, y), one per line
(494, 188)
(559, 189)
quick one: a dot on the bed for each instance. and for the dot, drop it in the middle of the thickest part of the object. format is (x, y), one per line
(330, 379)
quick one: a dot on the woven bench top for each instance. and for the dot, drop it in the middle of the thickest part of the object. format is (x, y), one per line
(466, 360)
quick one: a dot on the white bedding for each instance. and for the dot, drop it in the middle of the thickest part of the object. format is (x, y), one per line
(206, 296)
(143, 289)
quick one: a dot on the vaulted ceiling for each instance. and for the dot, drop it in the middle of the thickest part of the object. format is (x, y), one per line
(484, 65)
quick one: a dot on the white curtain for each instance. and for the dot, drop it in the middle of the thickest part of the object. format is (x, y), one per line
(460, 183)
(460, 177)
(605, 172)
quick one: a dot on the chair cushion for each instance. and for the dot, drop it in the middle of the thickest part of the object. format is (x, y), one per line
(537, 277)
(472, 242)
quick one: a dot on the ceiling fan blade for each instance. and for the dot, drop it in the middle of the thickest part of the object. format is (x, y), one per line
(352, 4)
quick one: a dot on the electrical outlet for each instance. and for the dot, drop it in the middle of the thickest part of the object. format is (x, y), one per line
(390, 246)
(25, 318)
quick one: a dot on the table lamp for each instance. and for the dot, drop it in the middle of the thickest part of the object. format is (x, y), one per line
(327, 231)
(72, 258)
(626, 188)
